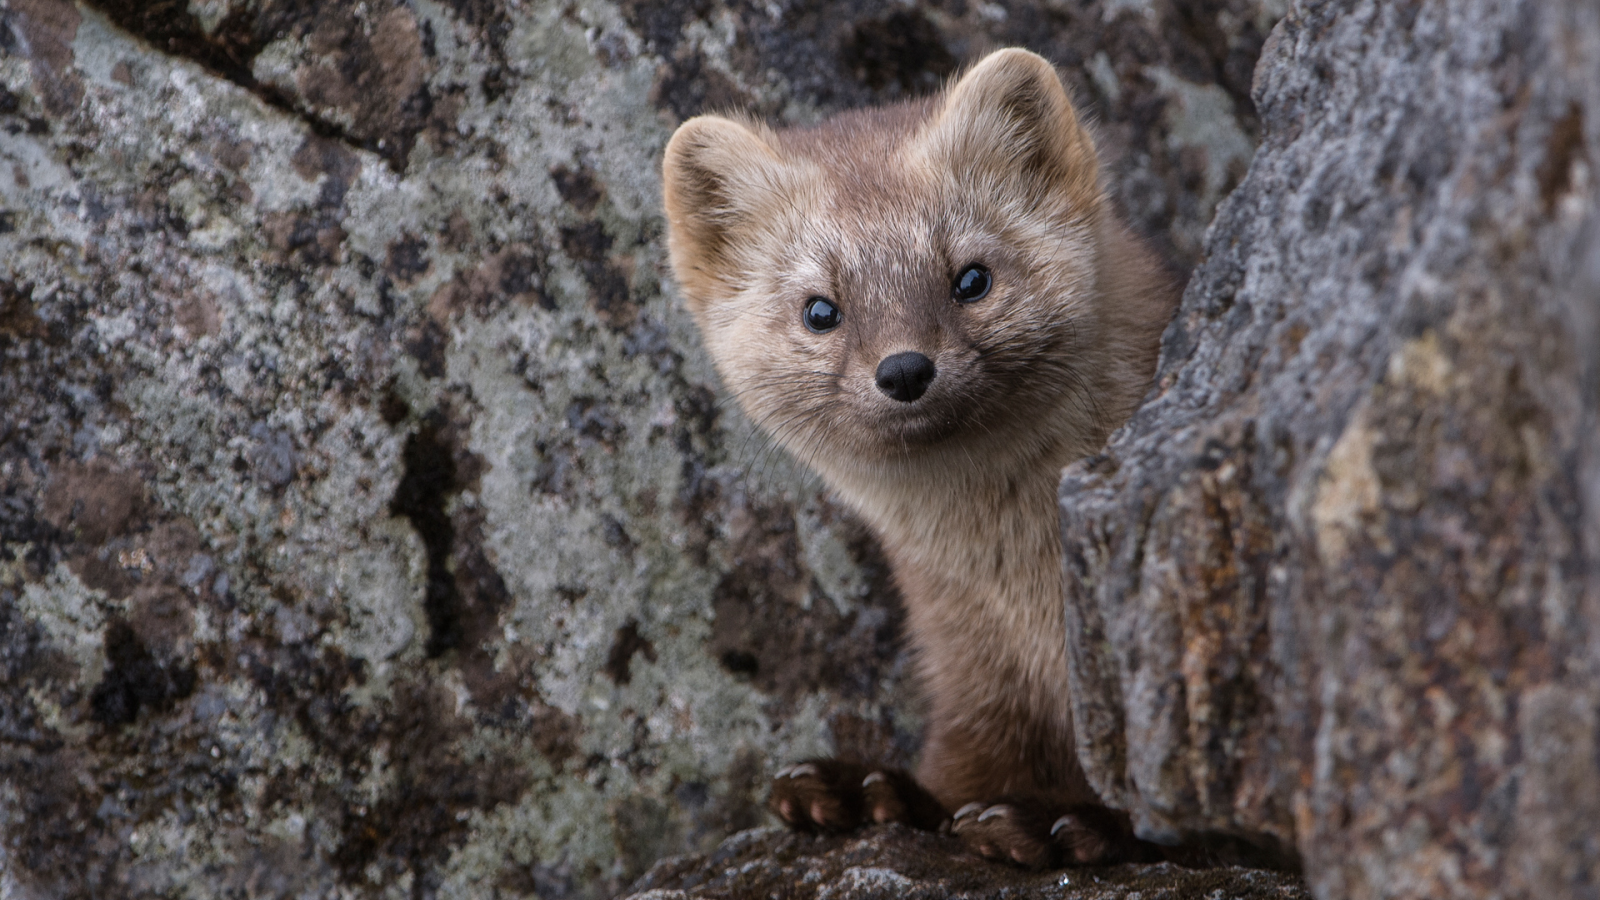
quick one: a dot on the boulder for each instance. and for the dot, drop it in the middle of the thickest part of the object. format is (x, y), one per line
(1335, 590)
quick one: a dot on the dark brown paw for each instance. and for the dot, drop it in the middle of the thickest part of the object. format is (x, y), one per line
(1007, 832)
(830, 795)
(1042, 836)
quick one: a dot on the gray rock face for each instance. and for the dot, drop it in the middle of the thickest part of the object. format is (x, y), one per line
(1336, 586)
(370, 520)
(892, 863)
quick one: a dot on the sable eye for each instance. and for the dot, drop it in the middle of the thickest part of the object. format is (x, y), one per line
(972, 284)
(821, 315)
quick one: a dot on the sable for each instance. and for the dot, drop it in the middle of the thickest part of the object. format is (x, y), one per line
(934, 306)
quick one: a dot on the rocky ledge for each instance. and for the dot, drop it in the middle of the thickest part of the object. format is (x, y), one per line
(892, 861)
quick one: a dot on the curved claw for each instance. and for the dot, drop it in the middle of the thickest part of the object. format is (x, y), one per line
(993, 811)
(968, 810)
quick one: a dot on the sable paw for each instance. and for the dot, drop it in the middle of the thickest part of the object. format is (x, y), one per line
(1040, 836)
(830, 795)
(1009, 832)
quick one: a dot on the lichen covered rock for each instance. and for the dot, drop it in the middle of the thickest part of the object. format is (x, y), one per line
(1335, 588)
(893, 862)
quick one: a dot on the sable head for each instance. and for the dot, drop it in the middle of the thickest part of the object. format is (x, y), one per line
(901, 281)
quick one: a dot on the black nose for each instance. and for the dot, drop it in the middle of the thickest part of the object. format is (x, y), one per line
(905, 376)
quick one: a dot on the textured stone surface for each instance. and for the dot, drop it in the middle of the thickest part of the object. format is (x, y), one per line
(1336, 585)
(891, 862)
(370, 520)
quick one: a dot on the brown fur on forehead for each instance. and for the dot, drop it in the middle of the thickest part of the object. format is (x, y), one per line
(862, 156)
(858, 143)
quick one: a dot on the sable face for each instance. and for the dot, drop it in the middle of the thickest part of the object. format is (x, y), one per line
(901, 281)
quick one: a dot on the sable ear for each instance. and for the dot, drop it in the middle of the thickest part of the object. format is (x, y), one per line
(716, 174)
(1009, 119)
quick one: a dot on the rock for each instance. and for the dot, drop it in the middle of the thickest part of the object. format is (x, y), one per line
(893, 862)
(371, 521)
(1336, 587)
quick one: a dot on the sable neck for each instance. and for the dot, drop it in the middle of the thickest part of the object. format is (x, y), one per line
(965, 525)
